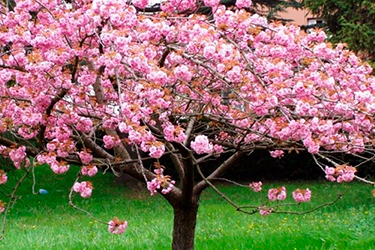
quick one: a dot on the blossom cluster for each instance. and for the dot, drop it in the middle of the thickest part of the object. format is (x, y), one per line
(299, 195)
(89, 170)
(117, 226)
(160, 182)
(256, 186)
(277, 194)
(341, 173)
(302, 195)
(84, 188)
(264, 210)
(18, 156)
(85, 156)
(201, 145)
(3, 177)
(58, 167)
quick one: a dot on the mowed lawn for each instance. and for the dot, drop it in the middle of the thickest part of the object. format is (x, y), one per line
(48, 222)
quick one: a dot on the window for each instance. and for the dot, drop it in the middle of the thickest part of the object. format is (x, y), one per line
(314, 21)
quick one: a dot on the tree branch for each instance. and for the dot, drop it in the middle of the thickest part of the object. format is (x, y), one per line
(199, 187)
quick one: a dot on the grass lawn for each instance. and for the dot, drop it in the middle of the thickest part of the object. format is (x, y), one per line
(48, 222)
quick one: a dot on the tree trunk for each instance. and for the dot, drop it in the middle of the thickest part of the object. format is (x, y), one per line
(185, 219)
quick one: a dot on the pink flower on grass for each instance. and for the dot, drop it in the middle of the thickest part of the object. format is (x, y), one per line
(277, 194)
(256, 186)
(117, 226)
(3, 177)
(84, 188)
(302, 195)
(89, 170)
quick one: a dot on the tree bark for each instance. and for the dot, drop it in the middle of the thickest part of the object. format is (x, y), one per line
(185, 219)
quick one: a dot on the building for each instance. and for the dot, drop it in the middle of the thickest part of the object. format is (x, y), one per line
(301, 17)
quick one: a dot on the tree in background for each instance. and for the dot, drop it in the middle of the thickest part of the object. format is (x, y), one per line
(348, 21)
(101, 84)
(268, 8)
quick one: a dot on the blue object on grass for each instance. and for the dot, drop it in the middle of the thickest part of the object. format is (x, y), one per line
(43, 191)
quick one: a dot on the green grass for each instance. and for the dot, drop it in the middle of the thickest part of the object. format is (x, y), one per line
(48, 222)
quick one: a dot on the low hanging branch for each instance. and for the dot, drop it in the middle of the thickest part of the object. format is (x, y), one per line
(271, 209)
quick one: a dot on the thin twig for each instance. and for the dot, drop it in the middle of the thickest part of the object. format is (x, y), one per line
(81, 209)
(12, 201)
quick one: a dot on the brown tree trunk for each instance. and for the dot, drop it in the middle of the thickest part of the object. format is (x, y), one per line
(185, 219)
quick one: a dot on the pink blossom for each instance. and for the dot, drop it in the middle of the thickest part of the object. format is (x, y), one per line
(84, 125)
(89, 170)
(17, 156)
(157, 150)
(183, 73)
(277, 194)
(243, 3)
(264, 211)
(160, 182)
(256, 186)
(2, 206)
(3, 177)
(217, 150)
(140, 3)
(85, 156)
(110, 141)
(302, 195)
(277, 153)
(84, 188)
(159, 171)
(173, 133)
(59, 167)
(168, 187)
(153, 186)
(4, 150)
(211, 3)
(209, 51)
(116, 226)
(345, 173)
(165, 185)
(201, 145)
(342, 173)
(159, 77)
(330, 173)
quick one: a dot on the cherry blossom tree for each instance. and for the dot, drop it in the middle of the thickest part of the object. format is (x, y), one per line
(102, 84)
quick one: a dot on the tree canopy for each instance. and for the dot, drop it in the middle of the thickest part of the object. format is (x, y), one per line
(103, 84)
